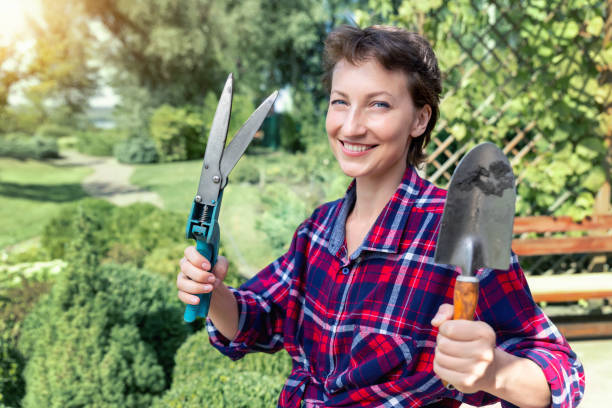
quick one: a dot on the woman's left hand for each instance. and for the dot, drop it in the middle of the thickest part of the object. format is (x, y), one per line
(465, 352)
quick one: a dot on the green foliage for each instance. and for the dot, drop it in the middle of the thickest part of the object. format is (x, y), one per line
(15, 302)
(521, 67)
(177, 133)
(136, 150)
(283, 212)
(62, 229)
(246, 172)
(20, 147)
(55, 131)
(98, 142)
(138, 234)
(105, 336)
(203, 376)
(12, 385)
(197, 356)
(290, 136)
(221, 389)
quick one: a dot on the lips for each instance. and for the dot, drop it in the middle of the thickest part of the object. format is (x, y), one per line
(355, 149)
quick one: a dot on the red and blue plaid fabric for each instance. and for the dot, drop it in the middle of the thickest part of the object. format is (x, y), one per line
(358, 327)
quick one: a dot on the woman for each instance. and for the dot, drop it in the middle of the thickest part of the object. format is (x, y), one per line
(357, 301)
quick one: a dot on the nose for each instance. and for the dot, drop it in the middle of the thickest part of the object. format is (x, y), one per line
(354, 124)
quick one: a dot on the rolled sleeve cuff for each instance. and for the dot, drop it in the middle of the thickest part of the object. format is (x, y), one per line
(566, 383)
(237, 348)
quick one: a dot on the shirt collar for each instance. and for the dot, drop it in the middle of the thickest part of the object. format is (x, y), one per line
(386, 233)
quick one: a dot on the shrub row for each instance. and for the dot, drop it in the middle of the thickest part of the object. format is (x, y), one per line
(23, 147)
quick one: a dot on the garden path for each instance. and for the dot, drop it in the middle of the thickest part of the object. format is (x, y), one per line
(110, 179)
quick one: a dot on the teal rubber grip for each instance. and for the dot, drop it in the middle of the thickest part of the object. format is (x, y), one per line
(208, 251)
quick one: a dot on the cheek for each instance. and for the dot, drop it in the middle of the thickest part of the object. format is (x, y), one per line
(333, 122)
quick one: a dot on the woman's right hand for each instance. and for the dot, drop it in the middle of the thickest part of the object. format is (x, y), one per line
(196, 277)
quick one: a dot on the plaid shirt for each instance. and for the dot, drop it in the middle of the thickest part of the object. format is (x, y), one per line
(358, 327)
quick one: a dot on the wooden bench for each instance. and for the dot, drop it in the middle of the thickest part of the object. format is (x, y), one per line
(569, 287)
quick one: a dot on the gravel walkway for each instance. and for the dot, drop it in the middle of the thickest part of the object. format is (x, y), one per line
(110, 179)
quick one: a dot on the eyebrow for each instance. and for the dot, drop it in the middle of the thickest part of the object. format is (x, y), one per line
(370, 95)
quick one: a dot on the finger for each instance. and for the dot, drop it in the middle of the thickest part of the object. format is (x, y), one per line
(455, 363)
(475, 350)
(466, 330)
(460, 381)
(187, 298)
(445, 312)
(220, 268)
(196, 274)
(196, 258)
(192, 287)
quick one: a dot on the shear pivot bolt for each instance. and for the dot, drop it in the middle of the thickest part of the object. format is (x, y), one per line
(198, 198)
(216, 179)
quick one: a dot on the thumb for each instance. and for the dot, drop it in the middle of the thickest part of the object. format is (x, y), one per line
(445, 312)
(220, 268)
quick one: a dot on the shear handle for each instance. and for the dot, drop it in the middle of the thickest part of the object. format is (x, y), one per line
(210, 252)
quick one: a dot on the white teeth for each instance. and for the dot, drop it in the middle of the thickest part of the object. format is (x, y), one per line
(355, 148)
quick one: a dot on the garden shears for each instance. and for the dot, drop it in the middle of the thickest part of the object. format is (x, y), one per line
(219, 160)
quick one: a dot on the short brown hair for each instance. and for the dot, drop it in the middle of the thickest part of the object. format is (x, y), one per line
(395, 49)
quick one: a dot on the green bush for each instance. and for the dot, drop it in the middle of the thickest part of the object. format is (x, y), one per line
(222, 389)
(204, 377)
(104, 336)
(136, 150)
(177, 133)
(61, 230)
(283, 211)
(16, 300)
(98, 142)
(245, 172)
(12, 385)
(53, 131)
(125, 235)
(21, 147)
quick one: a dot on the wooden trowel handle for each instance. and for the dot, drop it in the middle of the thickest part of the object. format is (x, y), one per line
(465, 299)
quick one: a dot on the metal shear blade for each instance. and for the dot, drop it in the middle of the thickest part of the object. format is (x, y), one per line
(218, 162)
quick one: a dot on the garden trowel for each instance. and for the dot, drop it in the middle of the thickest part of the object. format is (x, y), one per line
(476, 227)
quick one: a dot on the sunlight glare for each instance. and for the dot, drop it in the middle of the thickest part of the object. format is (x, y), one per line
(13, 22)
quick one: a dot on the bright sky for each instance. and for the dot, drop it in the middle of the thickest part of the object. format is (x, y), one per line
(13, 22)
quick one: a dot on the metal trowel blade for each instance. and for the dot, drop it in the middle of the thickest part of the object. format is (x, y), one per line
(476, 226)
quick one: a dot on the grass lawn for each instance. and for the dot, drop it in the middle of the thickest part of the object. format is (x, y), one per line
(177, 184)
(31, 192)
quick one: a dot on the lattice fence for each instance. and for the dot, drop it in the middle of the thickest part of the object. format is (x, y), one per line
(534, 77)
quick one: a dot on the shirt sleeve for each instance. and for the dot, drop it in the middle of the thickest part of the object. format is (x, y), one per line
(262, 305)
(525, 331)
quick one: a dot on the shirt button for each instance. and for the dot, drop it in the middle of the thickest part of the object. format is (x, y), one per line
(345, 270)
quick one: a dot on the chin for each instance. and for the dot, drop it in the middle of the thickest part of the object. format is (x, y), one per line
(353, 170)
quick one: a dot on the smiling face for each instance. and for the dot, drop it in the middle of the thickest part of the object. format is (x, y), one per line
(371, 120)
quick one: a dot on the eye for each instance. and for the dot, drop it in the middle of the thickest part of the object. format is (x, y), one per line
(380, 104)
(338, 102)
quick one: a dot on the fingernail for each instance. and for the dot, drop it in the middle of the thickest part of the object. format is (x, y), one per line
(205, 265)
(207, 287)
(211, 279)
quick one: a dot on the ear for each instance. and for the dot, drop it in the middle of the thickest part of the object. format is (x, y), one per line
(420, 121)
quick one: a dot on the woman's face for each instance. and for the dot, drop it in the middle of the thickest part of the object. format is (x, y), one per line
(371, 119)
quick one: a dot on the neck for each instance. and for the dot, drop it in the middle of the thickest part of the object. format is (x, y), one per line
(373, 195)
